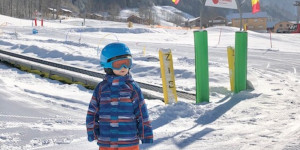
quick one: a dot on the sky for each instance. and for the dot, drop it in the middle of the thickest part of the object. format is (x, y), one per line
(39, 113)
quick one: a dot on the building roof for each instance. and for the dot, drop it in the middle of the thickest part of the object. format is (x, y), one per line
(52, 9)
(247, 15)
(193, 19)
(98, 15)
(66, 10)
(204, 19)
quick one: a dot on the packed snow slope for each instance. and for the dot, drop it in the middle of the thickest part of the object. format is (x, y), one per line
(38, 113)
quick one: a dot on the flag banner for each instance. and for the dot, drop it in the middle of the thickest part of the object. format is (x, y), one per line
(255, 6)
(175, 1)
(231, 4)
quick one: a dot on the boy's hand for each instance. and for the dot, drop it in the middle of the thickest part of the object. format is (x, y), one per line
(147, 141)
(91, 138)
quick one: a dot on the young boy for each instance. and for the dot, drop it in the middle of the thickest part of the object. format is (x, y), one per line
(117, 116)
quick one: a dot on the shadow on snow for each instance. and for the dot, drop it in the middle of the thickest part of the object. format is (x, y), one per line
(208, 117)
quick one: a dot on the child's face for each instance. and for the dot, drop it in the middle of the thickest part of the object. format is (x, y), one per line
(121, 72)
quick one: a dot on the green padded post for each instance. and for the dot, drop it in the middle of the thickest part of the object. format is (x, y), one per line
(241, 47)
(201, 66)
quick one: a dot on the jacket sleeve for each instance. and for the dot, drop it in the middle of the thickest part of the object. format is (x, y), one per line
(144, 127)
(92, 116)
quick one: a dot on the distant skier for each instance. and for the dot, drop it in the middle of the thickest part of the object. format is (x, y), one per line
(117, 116)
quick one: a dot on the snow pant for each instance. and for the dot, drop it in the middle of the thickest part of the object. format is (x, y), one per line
(135, 147)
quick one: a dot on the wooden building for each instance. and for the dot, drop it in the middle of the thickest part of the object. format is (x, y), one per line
(254, 22)
(65, 12)
(94, 16)
(136, 19)
(282, 27)
(218, 21)
(195, 22)
(50, 13)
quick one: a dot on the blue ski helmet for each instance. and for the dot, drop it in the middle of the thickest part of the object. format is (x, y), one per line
(113, 50)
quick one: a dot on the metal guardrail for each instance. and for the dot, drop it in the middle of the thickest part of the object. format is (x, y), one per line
(155, 88)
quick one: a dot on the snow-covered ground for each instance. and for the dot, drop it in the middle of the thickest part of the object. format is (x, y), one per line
(38, 113)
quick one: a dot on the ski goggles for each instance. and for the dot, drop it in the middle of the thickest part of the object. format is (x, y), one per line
(118, 64)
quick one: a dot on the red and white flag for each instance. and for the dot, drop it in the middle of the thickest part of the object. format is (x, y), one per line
(221, 3)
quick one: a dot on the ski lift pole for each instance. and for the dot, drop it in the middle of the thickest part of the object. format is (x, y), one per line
(220, 36)
(201, 12)
(239, 6)
(270, 38)
(297, 4)
(201, 66)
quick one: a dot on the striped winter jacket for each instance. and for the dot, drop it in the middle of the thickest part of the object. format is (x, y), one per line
(117, 115)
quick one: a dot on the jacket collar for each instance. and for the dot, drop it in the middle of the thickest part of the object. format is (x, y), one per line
(111, 78)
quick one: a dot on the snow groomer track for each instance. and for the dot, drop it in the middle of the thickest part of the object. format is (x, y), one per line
(79, 74)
